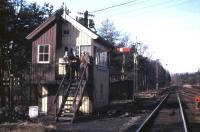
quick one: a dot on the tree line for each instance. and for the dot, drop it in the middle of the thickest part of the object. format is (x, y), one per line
(149, 72)
(186, 78)
(17, 19)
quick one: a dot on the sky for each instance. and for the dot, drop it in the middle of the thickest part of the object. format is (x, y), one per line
(169, 28)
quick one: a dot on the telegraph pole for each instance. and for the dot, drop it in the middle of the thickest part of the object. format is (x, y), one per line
(135, 85)
(157, 74)
(85, 19)
(134, 88)
(136, 74)
(122, 70)
(198, 77)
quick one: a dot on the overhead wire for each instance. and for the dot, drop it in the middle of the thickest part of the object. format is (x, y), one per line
(103, 9)
(124, 7)
(139, 10)
(149, 8)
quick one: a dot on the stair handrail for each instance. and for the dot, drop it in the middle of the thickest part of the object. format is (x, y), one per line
(61, 83)
(63, 100)
(78, 87)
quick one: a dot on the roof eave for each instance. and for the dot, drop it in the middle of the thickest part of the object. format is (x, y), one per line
(40, 27)
(105, 42)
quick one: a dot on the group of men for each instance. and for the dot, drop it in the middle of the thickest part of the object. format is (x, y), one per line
(75, 65)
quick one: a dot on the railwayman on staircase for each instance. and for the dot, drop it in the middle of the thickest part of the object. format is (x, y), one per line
(82, 62)
(72, 65)
(77, 67)
(66, 61)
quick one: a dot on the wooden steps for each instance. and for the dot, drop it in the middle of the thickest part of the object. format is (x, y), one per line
(71, 99)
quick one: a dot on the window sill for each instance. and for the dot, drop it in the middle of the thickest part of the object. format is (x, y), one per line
(43, 62)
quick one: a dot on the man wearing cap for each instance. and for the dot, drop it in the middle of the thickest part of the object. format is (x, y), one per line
(82, 62)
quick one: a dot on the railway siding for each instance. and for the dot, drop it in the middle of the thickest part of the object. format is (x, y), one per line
(167, 116)
(188, 94)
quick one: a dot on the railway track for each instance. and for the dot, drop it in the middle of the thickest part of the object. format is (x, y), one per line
(167, 116)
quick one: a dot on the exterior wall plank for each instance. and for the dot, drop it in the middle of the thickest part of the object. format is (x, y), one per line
(44, 72)
(73, 39)
(101, 89)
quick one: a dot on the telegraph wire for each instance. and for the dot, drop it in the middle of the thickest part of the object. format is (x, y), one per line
(125, 6)
(168, 3)
(113, 6)
(147, 9)
(163, 4)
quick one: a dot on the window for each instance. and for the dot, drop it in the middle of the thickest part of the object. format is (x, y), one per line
(100, 57)
(44, 53)
(66, 32)
(86, 48)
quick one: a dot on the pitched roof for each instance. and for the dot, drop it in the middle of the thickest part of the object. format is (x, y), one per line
(40, 27)
(79, 26)
(49, 20)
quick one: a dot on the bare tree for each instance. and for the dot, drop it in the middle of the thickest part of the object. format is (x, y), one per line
(109, 32)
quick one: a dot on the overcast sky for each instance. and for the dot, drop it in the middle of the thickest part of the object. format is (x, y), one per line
(170, 28)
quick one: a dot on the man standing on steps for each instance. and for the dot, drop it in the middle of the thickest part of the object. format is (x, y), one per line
(66, 61)
(77, 67)
(82, 62)
(72, 64)
(87, 60)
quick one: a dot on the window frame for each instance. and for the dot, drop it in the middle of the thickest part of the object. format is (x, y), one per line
(38, 54)
(86, 48)
(101, 58)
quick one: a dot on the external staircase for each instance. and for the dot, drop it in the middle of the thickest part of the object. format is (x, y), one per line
(72, 94)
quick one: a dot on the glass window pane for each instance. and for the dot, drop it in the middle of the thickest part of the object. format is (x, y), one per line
(46, 56)
(41, 48)
(100, 57)
(41, 58)
(46, 50)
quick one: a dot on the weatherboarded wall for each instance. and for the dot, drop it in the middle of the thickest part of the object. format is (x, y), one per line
(101, 89)
(44, 72)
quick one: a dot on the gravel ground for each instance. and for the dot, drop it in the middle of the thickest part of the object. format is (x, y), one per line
(22, 127)
(124, 116)
(119, 117)
(101, 125)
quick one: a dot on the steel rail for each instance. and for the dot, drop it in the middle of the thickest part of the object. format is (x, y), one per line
(146, 122)
(182, 114)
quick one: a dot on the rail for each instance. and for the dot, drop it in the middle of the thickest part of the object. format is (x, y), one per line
(182, 114)
(149, 118)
